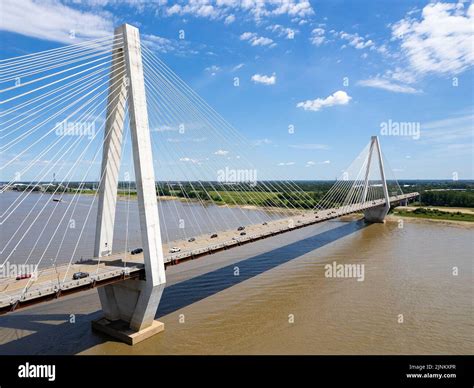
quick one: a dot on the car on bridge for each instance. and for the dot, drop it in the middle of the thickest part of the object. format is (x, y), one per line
(240, 228)
(214, 235)
(80, 275)
(136, 251)
(23, 276)
(243, 233)
(265, 223)
(191, 239)
(175, 250)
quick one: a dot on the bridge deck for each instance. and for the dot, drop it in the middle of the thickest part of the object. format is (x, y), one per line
(114, 268)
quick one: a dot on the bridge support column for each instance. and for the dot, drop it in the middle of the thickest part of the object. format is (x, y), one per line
(130, 306)
(376, 214)
(129, 311)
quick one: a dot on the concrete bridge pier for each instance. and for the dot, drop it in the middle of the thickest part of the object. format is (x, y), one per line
(376, 214)
(129, 309)
(129, 306)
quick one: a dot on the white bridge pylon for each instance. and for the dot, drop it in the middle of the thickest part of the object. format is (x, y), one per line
(133, 302)
(376, 214)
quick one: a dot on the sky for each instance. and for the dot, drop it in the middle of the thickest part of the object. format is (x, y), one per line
(315, 79)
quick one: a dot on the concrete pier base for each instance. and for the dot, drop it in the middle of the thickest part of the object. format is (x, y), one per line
(121, 331)
(376, 214)
(129, 310)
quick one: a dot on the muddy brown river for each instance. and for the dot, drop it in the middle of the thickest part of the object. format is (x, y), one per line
(275, 297)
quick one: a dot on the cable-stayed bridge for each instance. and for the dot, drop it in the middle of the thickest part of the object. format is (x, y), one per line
(138, 160)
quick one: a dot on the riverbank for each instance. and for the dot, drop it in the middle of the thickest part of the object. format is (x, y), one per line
(466, 210)
(447, 214)
(420, 220)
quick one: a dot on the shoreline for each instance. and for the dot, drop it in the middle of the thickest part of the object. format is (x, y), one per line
(419, 220)
(447, 209)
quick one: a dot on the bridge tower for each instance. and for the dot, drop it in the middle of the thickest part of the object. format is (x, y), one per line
(129, 306)
(376, 214)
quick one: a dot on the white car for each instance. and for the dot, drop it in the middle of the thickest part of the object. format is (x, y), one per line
(175, 250)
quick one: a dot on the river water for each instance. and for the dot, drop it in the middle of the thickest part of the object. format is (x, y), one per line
(272, 297)
(36, 229)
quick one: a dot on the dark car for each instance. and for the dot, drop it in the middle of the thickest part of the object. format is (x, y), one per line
(191, 239)
(243, 233)
(136, 251)
(264, 223)
(214, 235)
(23, 276)
(80, 275)
(241, 228)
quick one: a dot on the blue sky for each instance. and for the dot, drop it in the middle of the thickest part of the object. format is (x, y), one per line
(336, 71)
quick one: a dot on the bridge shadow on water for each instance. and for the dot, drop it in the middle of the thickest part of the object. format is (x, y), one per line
(195, 289)
(68, 338)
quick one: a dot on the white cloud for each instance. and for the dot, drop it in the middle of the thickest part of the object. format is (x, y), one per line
(355, 40)
(317, 36)
(287, 32)
(260, 9)
(221, 152)
(229, 19)
(337, 98)
(247, 35)
(438, 41)
(312, 163)
(261, 41)
(289, 7)
(174, 9)
(441, 41)
(459, 128)
(51, 20)
(213, 69)
(189, 160)
(237, 67)
(286, 163)
(382, 83)
(196, 8)
(264, 79)
(158, 43)
(256, 40)
(310, 146)
(260, 142)
(225, 9)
